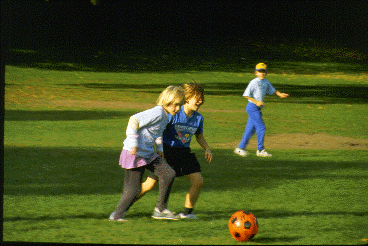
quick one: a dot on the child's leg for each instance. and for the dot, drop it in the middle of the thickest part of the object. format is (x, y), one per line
(260, 128)
(196, 180)
(132, 188)
(166, 176)
(248, 133)
(249, 128)
(147, 186)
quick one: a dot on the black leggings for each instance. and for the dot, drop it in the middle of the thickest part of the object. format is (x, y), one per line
(133, 180)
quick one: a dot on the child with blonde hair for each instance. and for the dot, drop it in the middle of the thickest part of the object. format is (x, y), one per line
(144, 135)
(177, 138)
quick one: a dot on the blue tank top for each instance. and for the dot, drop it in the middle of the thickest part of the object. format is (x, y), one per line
(181, 128)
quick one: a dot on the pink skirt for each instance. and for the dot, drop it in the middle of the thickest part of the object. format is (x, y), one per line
(129, 161)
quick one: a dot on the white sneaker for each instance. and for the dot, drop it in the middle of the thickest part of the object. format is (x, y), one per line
(166, 214)
(112, 215)
(263, 153)
(240, 152)
(188, 216)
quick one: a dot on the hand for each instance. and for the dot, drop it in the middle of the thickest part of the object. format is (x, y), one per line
(208, 155)
(134, 151)
(283, 95)
(259, 103)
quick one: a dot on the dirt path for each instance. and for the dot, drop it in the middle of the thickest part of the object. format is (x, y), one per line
(279, 141)
(304, 141)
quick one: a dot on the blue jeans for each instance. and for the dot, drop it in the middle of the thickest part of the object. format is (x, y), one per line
(255, 124)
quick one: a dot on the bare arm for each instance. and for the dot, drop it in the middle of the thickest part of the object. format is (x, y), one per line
(258, 103)
(281, 95)
(203, 143)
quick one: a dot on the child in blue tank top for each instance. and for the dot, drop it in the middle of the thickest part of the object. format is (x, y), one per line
(181, 128)
(176, 142)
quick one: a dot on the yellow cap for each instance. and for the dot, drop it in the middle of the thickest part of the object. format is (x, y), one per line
(261, 66)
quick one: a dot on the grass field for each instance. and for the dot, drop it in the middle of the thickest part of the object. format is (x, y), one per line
(64, 128)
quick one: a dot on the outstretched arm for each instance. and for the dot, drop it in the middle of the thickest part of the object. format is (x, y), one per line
(281, 95)
(203, 143)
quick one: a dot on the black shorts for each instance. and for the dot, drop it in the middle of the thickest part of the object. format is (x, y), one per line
(181, 160)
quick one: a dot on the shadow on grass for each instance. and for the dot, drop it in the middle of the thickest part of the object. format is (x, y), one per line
(266, 240)
(57, 171)
(282, 214)
(46, 218)
(47, 172)
(204, 215)
(324, 94)
(62, 115)
(235, 59)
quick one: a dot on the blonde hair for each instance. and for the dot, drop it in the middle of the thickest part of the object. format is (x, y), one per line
(193, 89)
(172, 94)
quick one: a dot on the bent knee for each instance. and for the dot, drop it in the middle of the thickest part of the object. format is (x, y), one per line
(148, 184)
(261, 128)
(169, 175)
(172, 174)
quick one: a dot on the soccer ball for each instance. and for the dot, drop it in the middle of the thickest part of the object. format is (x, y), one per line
(243, 225)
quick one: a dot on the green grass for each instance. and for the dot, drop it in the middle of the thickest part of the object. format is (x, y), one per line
(299, 197)
(62, 178)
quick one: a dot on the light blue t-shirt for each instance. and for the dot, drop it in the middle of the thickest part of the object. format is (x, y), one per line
(258, 89)
(151, 124)
(181, 128)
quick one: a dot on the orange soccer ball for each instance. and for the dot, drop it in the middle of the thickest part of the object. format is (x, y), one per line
(243, 226)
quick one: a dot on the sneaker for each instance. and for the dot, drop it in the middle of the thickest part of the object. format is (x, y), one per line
(112, 215)
(263, 153)
(188, 216)
(240, 152)
(166, 215)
